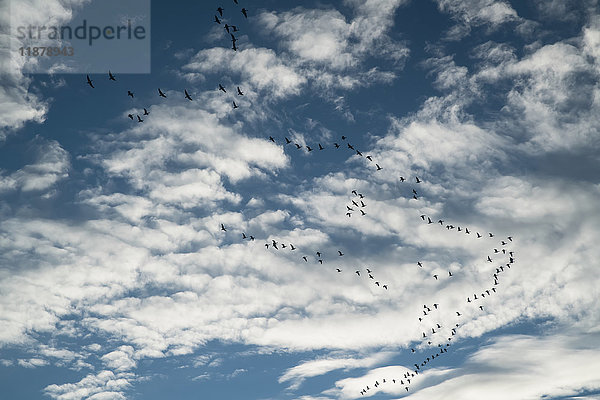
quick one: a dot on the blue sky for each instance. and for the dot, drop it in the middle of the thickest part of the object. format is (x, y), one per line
(117, 282)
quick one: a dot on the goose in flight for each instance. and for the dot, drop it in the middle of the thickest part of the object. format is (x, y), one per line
(161, 94)
(139, 119)
(239, 91)
(417, 179)
(245, 12)
(235, 105)
(111, 76)
(130, 116)
(220, 11)
(222, 88)
(89, 81)
(217, 20)
(378, 167)
(223, 228)
(187, 95)
(130, 93)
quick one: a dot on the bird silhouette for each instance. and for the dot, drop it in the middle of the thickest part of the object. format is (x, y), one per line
(234, 105)
(245, 12)
(139, 119)
(223, 228)
(111, 76)
(89, 81)
(161, 94)
(217, 20)
(222, 88)
(239, 91)
(187, 95)
(220, 11)
(378, 167)
(130, 116)
(417, 179)
(146, 112)
(130, 94)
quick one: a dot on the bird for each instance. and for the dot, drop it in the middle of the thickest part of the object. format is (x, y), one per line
(318, 253)
(362, 212)
(402, 179)
(239, 91)
(233, 39)
(417, 179)
(146, 112)
(226, 28)
(220, 11)
(378, 167)
(217, 20)
(292, 247)
(235, 105)
(357, 273)
(321, 147)
(369, 158)
(223, 228)
(458, 314)
(419, 264)
(233, 46)
(478, 235)
(245, 12)
(340, 253)
(161, 94)
(130, 93)
(449, 273)
(111, 76)
(436, 277)
(244, 235)
(509, 238)
(187, 95)
(489, 259)
(130, 116)
(271, 139)
(423, 217)
(235, 29)
(309, 148)
(305, 259)
(350, 146)
(89, 81)
(338, 270)
(222, 88)
(139, 119)
(385, 287)
(337, 146)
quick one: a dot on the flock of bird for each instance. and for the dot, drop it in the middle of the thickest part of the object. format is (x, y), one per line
(434, 332)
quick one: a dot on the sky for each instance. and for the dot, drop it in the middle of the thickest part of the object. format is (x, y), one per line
(127, 265)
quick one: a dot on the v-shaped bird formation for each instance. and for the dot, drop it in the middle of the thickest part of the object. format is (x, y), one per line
(435, 338)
